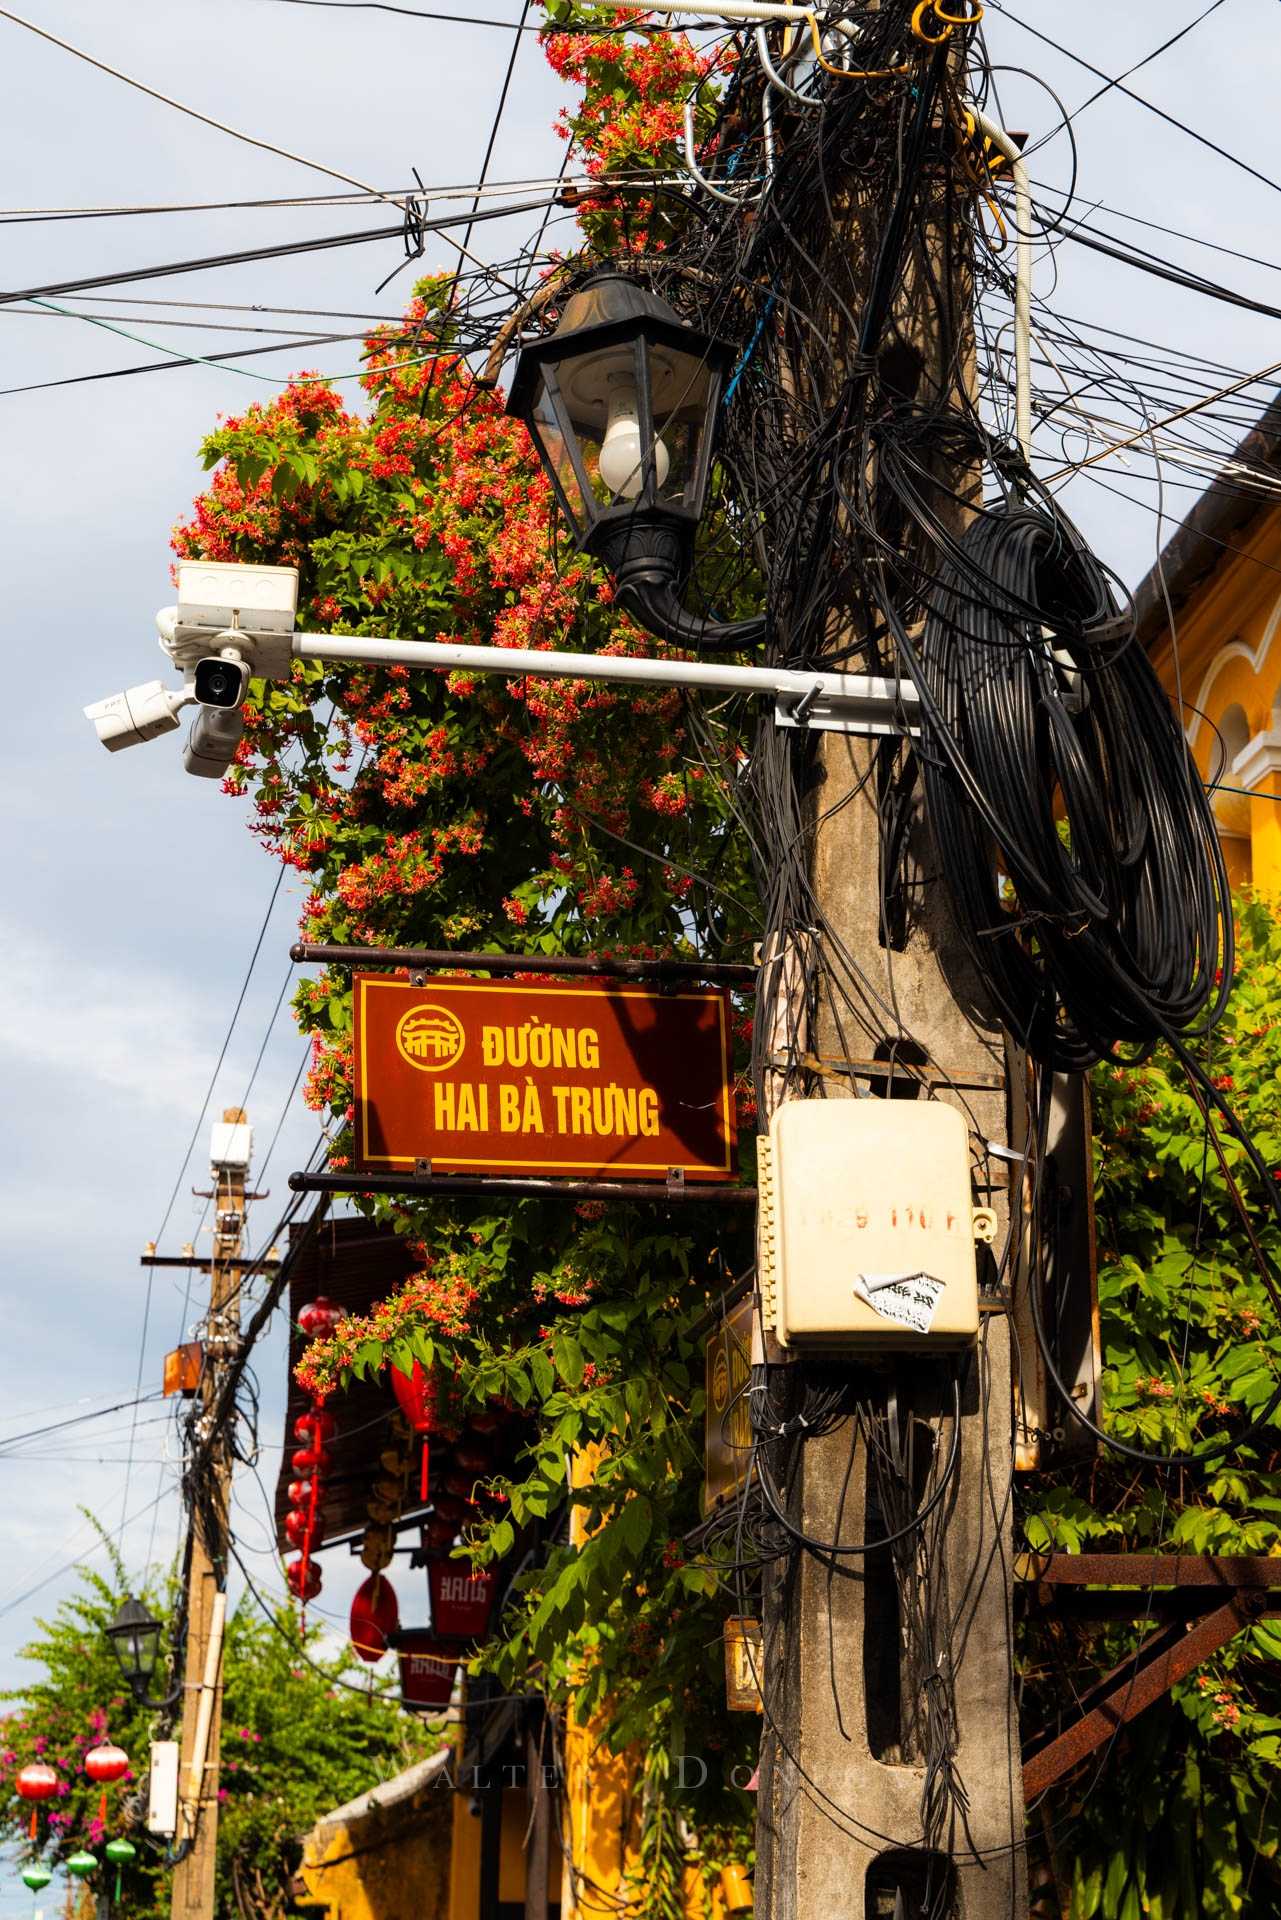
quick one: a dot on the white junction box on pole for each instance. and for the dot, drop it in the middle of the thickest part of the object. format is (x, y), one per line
(162, 1796)
(867, 1225)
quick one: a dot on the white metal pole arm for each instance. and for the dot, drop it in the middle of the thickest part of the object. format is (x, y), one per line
(829, 702)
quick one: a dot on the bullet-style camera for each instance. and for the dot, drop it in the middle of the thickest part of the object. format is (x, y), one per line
(220, 681)
(140, 713)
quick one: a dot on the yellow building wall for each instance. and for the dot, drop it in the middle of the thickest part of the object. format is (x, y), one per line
(1226, 676)
(388, 1864)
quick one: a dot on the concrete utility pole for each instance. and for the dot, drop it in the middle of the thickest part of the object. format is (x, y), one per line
(193, 1881)
(890, 1782)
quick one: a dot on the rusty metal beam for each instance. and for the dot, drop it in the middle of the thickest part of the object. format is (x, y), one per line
(1166, 1658)
(1088, 1606)
(1151, 1570)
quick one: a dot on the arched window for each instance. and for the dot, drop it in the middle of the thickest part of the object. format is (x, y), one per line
(1231, 810)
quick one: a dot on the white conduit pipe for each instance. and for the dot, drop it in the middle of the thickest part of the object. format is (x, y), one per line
(723, 9)
(190, 1812)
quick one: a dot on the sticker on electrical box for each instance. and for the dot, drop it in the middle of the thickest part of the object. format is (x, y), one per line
(909, 1299)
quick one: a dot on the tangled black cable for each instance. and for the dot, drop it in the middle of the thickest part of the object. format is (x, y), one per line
(1074, 835)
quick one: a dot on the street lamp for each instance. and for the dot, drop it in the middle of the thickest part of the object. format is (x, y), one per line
(620, 401)
(135, 1640)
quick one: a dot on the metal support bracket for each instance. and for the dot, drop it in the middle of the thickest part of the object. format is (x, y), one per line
(867, 704)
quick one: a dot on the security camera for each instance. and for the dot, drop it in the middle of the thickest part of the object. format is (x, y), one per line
(140, 713)
(214, 737)
(220, 680)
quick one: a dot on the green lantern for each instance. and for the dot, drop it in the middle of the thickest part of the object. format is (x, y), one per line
(82, 1864)
(118, 1851)
(36, 1876)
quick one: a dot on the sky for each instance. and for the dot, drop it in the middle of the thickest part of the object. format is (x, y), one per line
(135, 895)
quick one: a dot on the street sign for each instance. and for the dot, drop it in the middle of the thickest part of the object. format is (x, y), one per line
(727, 1421)
(594, 1080)
(460, 1601)
(427, 1668)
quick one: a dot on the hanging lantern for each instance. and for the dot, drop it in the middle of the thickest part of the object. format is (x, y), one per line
(319, 1317)
(439, 1532)
(106, 1763)
(119, 1852)
(36, 1876)
(472, 1459)
(81, 1863)
(299, 1492)
(36, 1781)
(621, 402)
(375, 1615)
(315, 1426)
(416, 1397)
(310, 1460)
(297, 1526)
(303, 1578)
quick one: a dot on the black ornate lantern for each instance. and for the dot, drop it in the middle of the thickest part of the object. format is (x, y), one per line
(620, 402)
(135, 1640)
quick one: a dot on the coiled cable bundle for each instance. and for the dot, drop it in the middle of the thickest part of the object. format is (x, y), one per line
(1074, 834)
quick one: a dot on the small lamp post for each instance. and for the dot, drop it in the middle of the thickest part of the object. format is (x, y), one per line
(135, 1640)
(620, 402)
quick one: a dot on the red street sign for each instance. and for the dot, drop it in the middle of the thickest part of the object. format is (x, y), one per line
(427, 1668)
(595, 1079)
(460, 1601)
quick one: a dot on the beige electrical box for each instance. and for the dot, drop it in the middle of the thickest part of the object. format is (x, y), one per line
(867, 1225)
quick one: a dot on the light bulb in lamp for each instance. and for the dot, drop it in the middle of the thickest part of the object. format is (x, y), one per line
(620, 453)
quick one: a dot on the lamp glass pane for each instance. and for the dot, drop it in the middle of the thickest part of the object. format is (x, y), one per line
(682, 386)
(555, 452)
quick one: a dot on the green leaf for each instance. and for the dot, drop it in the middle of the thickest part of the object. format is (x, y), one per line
(634, 1523)
(544, 1376)
(569, 1359)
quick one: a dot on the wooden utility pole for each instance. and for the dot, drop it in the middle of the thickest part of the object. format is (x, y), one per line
(193, 1881)
(890, 1782)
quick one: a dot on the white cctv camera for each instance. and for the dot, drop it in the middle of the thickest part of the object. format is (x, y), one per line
(211, 745)
(139, 713)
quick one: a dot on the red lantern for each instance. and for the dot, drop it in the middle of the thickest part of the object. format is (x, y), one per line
(319, 1317)
(310, 1460)
(439, 1533)
(106, 1763)
(316, 1425)
(461, 1485)
(36, 1781)
(375, 1614)
(294, 1577)
(416, 1397)
(472, 1459)
(448, 1508)
(297, 1526)
(299, 1492)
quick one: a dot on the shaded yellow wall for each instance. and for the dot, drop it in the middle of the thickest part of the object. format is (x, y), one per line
(389, 1864)
(1228, 666)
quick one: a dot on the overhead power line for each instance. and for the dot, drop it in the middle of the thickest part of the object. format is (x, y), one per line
(1170, 119)
(193, 113)
(281, 251)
